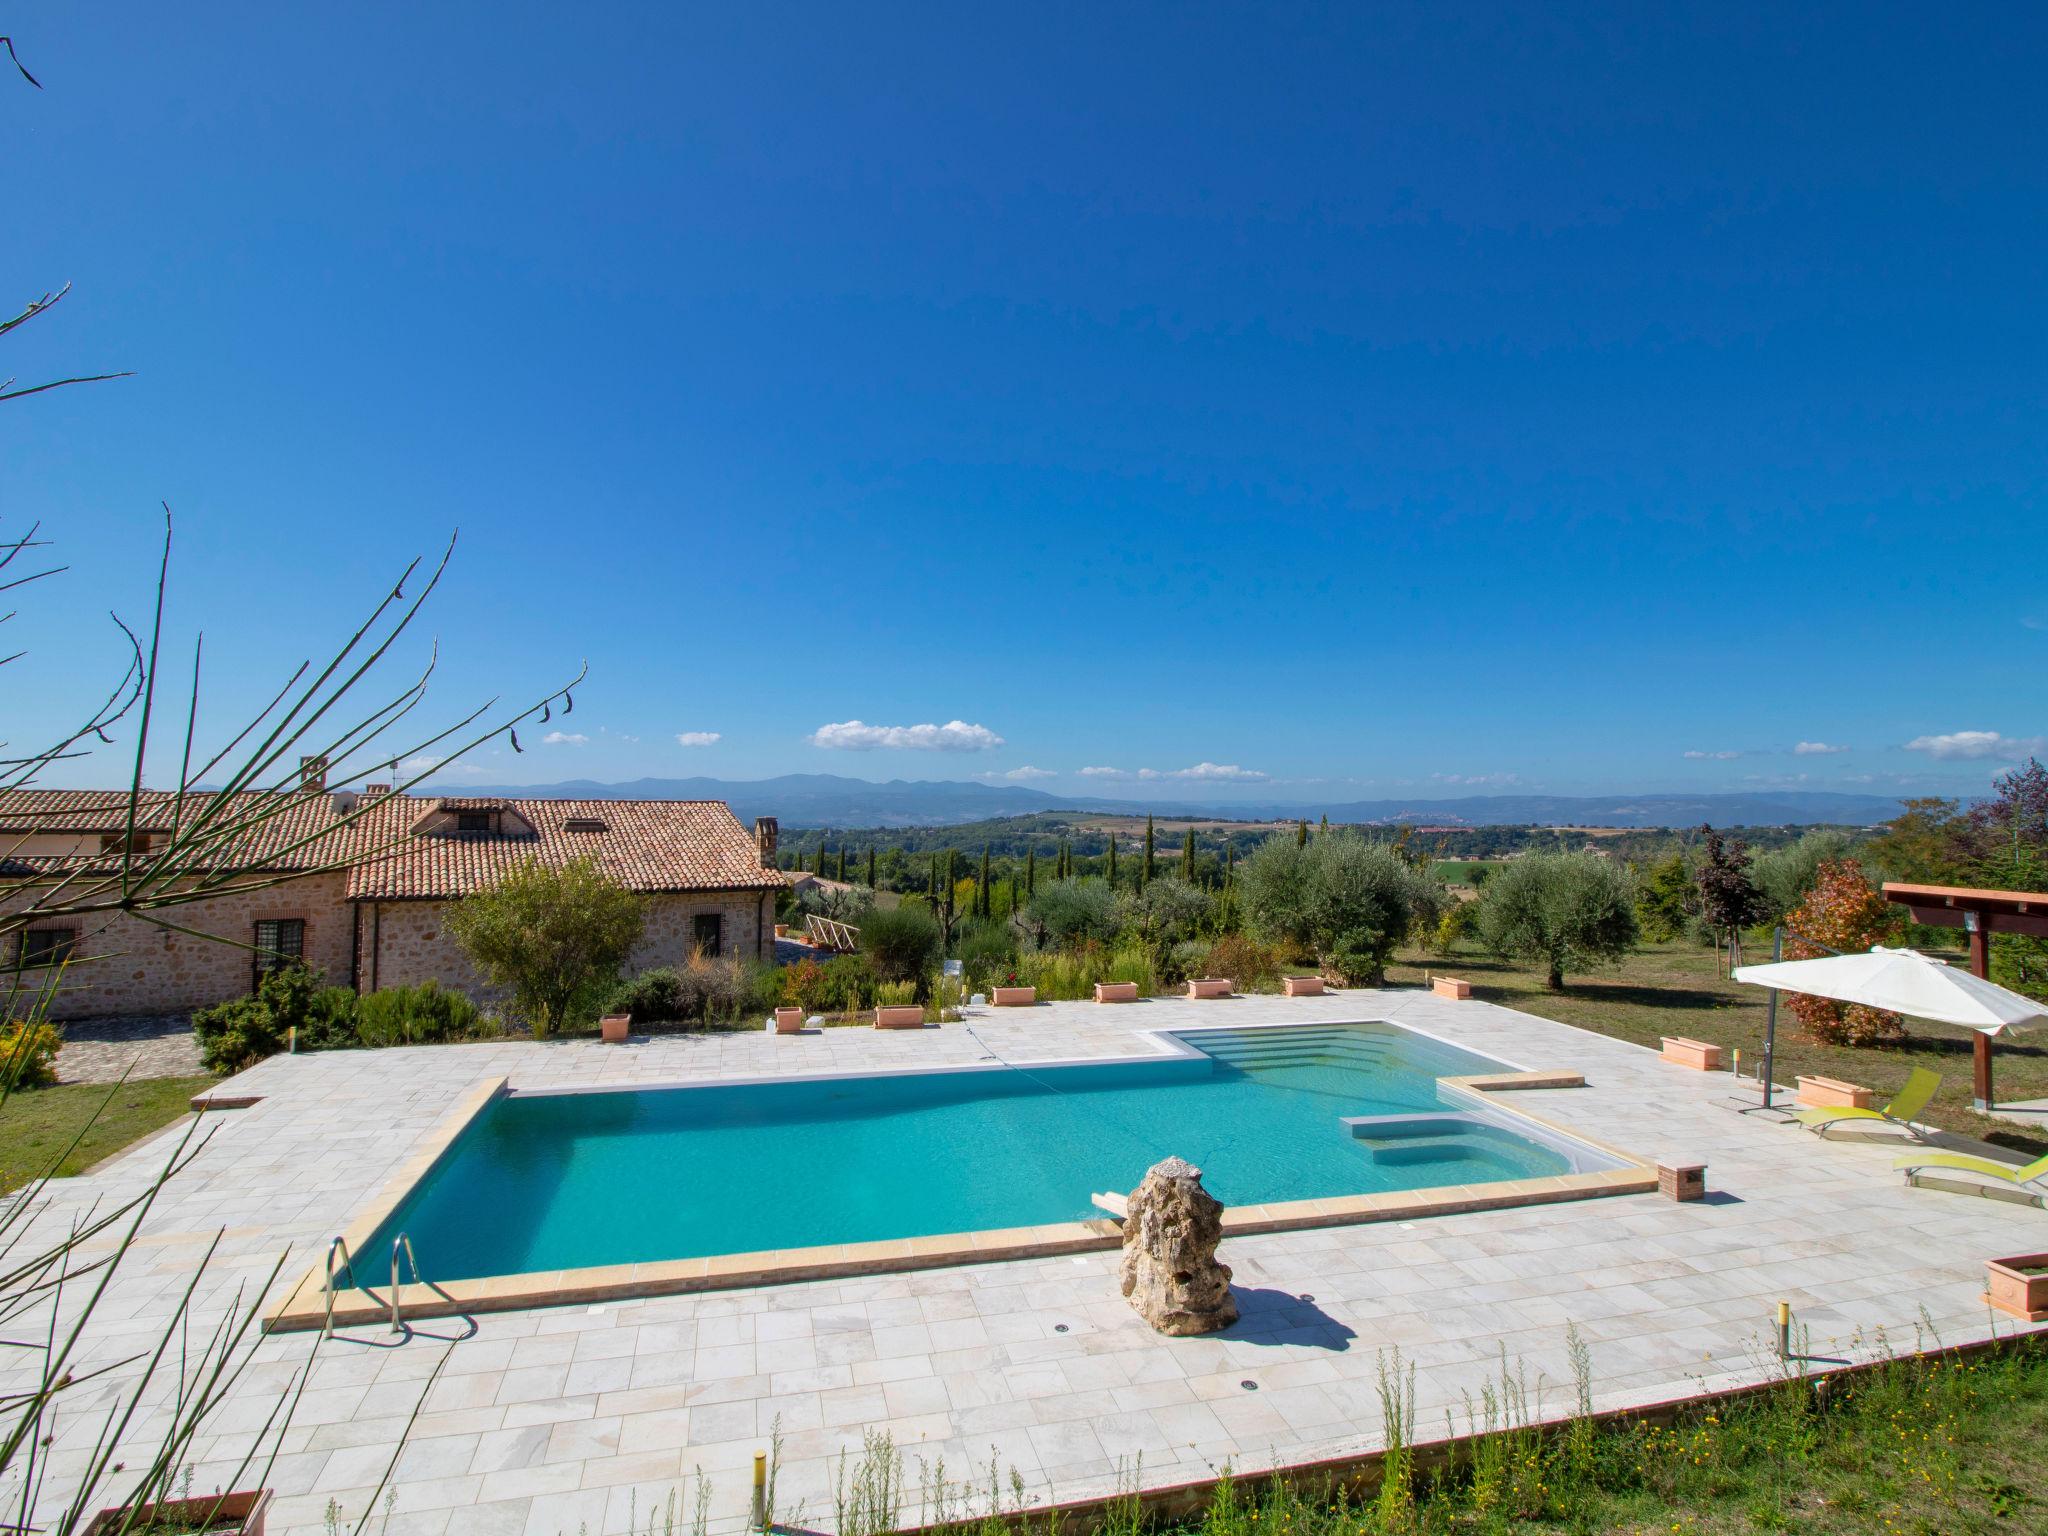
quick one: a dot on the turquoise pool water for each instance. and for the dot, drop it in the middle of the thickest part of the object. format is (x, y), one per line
(559, 1181)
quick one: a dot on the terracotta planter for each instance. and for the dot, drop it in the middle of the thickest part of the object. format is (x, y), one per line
(1209, 986)
(613, 1027)
(1833, 1093)
(1450, 986)
(789, 1021)
(1697, 1054)
(1116, 991)
(234, 1514)
(900, 1016)
(1302, 986)
(1013, 997)
(782, 930)
(2010, 1287)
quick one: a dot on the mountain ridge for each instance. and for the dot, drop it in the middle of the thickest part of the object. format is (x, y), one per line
(830, 800)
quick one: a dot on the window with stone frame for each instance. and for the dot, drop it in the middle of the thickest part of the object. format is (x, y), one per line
(707, 932)
(280, 941)
(48, 946)
(476, 821)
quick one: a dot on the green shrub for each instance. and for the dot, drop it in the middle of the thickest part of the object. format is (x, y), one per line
(896, 994)
(423, 1015)
(987, 950)
(1255, 967)
(236, 1035)
(1133, 962)
(848, 984)
(702, 989)
(901, 943)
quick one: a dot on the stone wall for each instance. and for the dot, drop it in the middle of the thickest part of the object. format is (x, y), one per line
(411, 939)
(125, 965)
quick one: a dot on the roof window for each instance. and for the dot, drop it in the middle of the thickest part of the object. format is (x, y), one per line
(584, 824)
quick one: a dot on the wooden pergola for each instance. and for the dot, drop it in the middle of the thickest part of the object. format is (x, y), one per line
(1980, 913)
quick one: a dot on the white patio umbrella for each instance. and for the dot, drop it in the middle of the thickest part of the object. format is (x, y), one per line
(1899, 981)
(1902, 981)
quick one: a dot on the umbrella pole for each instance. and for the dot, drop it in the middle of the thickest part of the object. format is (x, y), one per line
(1771, 1016)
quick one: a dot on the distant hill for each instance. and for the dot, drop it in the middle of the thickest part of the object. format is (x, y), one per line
(828, 800)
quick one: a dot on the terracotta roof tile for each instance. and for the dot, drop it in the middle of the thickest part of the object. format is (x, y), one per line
(647, 845)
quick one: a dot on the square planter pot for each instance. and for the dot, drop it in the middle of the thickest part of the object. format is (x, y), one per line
(1833, 1093)
(1209, 986)
(1302, 986)
(234, 1514)
(613, 1027)
(902, 1016)
(2018, 1285)
(782, 930)
(1450, 986)
(1697, 1054)
(1116, 991)
(1013, 997)
(789, 1021)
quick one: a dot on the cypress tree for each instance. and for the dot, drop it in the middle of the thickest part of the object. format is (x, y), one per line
(983, 904)
(871, 866)
(1187, 856)
(1326, 823)
(1145, 870)
(1301, 834)
(1110, 865)
(842, 865)
(1030, 873)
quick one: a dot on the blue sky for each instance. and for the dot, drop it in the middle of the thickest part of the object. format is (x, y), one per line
(1366, 398)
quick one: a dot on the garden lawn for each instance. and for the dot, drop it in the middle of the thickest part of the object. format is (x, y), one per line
(38, 1124)
(1677, 989)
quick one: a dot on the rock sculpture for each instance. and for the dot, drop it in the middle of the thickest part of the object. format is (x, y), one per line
(1170, 1273)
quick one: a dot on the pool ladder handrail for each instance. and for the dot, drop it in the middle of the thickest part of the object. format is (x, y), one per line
(402, 1244)
(348, 1263)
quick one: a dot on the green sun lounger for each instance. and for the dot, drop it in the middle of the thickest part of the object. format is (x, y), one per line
(1914, 1097)
(2005, 1173)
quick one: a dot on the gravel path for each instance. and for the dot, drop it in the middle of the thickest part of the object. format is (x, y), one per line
(155, 1045)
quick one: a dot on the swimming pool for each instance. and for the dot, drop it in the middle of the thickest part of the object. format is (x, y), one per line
(568, 1180)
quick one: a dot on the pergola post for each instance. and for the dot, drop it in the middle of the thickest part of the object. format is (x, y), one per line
(1980, 913)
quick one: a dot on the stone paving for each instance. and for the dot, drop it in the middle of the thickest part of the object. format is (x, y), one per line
(574, 1418)
(153, 1045)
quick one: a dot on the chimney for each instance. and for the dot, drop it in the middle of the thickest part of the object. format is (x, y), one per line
(766, 830)
(376, 791)
(313, 773)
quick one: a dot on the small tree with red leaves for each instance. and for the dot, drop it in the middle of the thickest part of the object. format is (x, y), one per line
(1845, 914)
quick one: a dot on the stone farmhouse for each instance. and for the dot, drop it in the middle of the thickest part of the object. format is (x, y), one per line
(357, 886)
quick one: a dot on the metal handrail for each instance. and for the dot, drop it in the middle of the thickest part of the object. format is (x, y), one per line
(348, 1261)
(402, 1243)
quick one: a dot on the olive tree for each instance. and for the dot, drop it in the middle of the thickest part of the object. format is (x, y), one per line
(1564, 910)
(1345, 898)
(1068, 912)
(554, 936)
(902, 943)
(1166, 911)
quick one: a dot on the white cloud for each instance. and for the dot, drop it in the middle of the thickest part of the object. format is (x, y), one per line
(1816, 749)
(1212, 773)
(1478, 780)
(1965, 746)
(1717, 757)
(564, 739)
(1026, 773)
(2030, 622)
(697, 738)
(1221, 773)
(953, 736)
